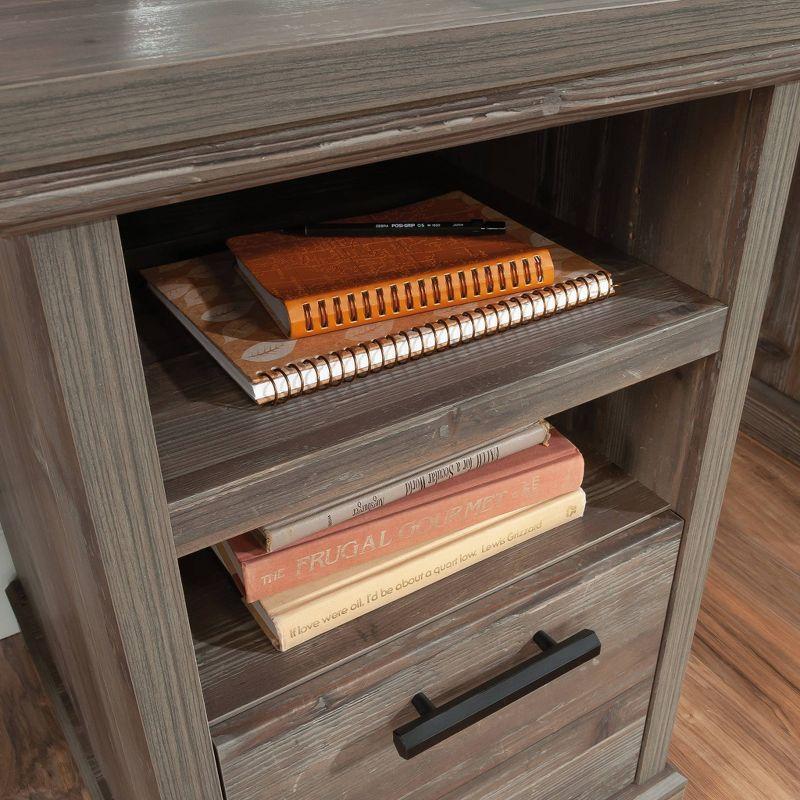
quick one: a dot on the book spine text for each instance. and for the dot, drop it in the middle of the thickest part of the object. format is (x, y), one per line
(339, 550)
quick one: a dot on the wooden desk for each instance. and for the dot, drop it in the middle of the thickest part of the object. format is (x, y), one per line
(134, 107)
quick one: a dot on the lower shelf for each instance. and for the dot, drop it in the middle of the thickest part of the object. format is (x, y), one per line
(319, 718)
(239, 668)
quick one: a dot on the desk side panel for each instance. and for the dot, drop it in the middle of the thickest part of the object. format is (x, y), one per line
(85, 514)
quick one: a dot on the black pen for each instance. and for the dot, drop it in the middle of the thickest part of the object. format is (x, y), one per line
(473, 227)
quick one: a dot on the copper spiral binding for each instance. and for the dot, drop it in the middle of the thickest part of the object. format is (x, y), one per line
(329, 313)
(397, 348)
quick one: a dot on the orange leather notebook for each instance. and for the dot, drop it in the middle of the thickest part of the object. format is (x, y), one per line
(314, 285)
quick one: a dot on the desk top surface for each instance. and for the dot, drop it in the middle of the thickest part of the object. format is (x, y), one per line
(50, 39)
(87, 82)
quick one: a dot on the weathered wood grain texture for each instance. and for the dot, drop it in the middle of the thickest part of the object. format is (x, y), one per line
(667, 785)
(618, 586)
(738, 724)
(179, 34)
(65, 717)
(159, 82)
(776, 166)
(683, 216)
(35, 762)
(773, 418)
(587, 760)
(731, 735)
(698, 191)
(772, 407)
(777, 359)
(85, 515)
(239, 669)
(679, 181)
(79, 191)
(671, 186)
(229, 465)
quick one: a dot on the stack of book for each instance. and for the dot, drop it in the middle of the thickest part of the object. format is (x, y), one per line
(313, 574)
(285, 314)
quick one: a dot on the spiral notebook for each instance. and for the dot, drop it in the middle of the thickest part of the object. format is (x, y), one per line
(213, 302)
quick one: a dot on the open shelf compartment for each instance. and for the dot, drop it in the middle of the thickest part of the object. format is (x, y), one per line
(239, 668)
(229, 466)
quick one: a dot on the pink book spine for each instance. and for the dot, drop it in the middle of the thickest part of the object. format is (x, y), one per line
(266, 574)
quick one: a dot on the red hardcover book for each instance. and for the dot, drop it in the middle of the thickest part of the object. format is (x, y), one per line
(524, 479)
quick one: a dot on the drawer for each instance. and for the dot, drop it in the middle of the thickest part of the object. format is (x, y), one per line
(576, 736)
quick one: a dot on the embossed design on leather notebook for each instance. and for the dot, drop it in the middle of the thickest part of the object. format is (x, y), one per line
(212, 301)
(318, 285)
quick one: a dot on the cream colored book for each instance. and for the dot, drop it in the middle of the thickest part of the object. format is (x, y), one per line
(304, 612)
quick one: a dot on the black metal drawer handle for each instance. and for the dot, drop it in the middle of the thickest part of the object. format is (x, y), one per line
(438, 723)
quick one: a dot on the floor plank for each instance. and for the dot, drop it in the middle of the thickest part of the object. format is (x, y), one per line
(35, 763)
(737, 734)
(738, 730)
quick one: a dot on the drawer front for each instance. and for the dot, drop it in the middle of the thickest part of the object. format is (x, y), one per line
(591, 758)
(577, 735)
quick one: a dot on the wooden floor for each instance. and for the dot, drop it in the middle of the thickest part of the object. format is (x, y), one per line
(737, 735)
(35, 763)
(738, 731)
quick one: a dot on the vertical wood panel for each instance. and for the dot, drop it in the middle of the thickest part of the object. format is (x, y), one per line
(85, 513)
(776, 164)
(686, 212)
(673, 187)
